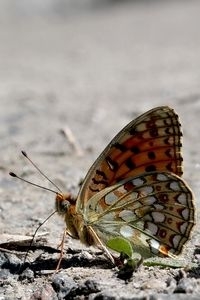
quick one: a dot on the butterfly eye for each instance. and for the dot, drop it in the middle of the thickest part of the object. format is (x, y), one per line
(63, 201)
(62, 206)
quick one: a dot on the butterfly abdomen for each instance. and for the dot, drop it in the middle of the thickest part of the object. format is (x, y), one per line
(82, 230)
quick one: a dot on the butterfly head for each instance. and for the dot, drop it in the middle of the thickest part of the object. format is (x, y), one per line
(63, 202)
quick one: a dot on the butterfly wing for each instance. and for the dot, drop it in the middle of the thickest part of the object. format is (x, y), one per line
(149, 143)
(155, 211)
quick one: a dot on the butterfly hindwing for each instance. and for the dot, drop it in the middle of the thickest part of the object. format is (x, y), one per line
(154, 211)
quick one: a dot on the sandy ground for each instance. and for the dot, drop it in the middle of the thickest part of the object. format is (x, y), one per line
(91, 69)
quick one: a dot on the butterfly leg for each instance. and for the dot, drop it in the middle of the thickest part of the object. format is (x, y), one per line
(102, 246)
(61, 246)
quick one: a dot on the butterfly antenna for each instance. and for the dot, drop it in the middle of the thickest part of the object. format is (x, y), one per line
(32, 183)
(37, 168)
(33, 237)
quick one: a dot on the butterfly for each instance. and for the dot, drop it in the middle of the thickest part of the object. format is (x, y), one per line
(134, 190)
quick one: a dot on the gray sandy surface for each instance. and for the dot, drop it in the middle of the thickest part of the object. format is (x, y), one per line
(91, 67)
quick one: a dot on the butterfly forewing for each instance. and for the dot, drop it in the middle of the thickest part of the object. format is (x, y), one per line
(155, 211)
(151, 142)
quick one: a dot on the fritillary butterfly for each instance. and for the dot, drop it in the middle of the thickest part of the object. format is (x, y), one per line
(134, 190)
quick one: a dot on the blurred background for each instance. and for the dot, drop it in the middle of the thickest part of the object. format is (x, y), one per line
(90, 66)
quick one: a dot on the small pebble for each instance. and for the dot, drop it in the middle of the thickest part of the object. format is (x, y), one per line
(64, 285)
(185, 285)
(27, 275)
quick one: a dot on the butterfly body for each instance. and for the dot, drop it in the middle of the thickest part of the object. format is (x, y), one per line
(75, 223)
(134, 190)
